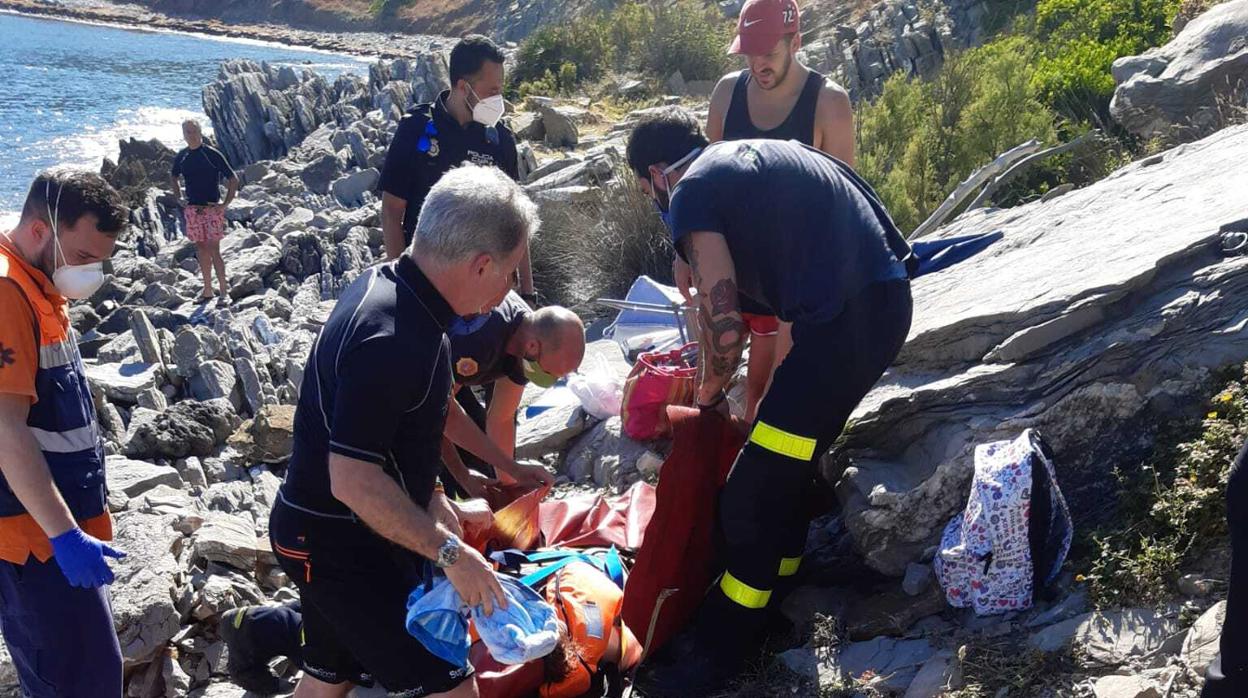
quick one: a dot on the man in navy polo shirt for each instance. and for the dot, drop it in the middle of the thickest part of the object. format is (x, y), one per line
(501, 353)
(357, 518)
(461, 125)
(797, 232)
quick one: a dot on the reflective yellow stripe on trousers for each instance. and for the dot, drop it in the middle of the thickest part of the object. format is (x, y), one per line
(743, 593)
(789, 565)
(782, 442)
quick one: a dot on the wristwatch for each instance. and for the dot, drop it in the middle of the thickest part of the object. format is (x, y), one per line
(448, 553)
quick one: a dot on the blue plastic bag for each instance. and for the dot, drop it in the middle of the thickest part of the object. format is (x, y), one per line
(525, 630)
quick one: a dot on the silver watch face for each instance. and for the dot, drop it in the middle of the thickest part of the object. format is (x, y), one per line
(448, 553)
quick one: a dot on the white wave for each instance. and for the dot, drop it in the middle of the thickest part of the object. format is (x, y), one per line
(8, 220)
(92, 145)
(357, 68)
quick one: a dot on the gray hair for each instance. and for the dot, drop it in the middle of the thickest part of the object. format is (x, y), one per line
(473, 210)
(194, 123)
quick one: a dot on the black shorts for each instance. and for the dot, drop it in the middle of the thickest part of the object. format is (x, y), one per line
(354, 588)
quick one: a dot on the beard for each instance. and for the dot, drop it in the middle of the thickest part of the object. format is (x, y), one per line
(780, 73)
(47, 258)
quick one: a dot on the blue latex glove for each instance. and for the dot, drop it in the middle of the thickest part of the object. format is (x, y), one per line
(81, 558)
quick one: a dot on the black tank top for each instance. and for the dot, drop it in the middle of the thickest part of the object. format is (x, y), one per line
(798, 126)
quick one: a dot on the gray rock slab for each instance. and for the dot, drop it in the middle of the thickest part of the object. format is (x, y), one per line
(227, 539)
(146, 583)
(145, 338)
(1110, 638)
(350, 190)
(937, 677)
(1069, 324)
(1125, 687)
(896, 662)
(134, 477)
(1176, 86)
(1202, 642)
(606, 456)
(549, 431)
(212, 380)
(124, 382)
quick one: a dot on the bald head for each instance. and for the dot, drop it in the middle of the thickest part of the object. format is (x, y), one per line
(555, 337)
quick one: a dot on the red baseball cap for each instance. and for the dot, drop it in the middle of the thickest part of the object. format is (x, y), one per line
(762, 23)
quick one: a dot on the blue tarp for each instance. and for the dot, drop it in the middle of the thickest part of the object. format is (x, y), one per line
(938, 255)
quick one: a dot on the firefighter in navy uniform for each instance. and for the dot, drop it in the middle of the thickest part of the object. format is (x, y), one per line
(797, 232)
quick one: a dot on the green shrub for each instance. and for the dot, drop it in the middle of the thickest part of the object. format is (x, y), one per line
(631, 26)
(1174, 508)
(919, 139)
(562, 83)
(687, 35)
(549, 49)
(386, 8)
(1081, 40)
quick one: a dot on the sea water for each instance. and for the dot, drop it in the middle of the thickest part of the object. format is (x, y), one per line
(69, 91)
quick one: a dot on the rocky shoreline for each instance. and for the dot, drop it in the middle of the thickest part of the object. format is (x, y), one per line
(369, 44)
(1100, 313)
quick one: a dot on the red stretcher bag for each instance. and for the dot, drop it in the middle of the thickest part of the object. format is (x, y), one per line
(674, 569)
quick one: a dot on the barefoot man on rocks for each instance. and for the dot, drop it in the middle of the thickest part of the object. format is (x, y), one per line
(357, 517)
(203, 167)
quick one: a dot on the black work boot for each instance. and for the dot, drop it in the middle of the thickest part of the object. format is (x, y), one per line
(255, 636)
(707, 655)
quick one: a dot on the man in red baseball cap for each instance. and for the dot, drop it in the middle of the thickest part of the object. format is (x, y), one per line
(774, 97)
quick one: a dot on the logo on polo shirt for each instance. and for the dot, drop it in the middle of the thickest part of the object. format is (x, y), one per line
(482, 159)
(466, 367)
(6, 356)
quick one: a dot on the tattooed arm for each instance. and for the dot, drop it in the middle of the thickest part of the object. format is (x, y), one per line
(722, 330)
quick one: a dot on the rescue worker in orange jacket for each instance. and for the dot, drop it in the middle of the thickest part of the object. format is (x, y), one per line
(54, 609)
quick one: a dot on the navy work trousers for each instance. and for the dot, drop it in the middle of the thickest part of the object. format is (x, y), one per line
(61, 637)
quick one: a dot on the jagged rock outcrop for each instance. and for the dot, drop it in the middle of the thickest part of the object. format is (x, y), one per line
(861, 50)
(1185, 87)
(1099, 313)
(261, 112)
(140, 164)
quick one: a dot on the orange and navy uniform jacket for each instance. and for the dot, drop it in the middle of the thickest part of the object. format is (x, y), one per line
(38, 360)
(589, 603)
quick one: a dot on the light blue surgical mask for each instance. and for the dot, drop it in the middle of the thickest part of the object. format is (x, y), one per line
(467, 325)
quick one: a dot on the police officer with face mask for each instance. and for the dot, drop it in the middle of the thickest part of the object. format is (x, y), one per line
(54, 608)
(461, 125)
